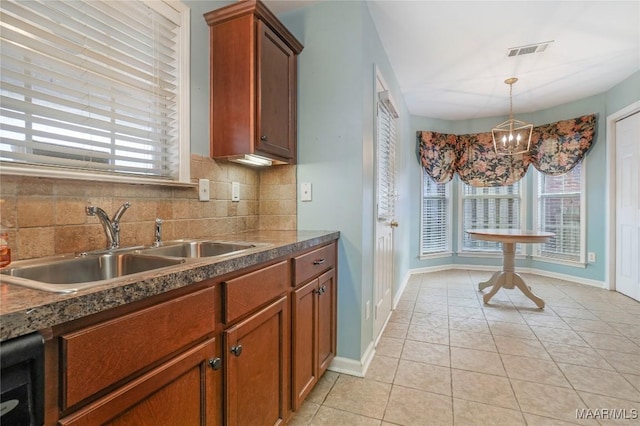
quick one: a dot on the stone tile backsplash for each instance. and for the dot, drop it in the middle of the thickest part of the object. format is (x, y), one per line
(46, 216)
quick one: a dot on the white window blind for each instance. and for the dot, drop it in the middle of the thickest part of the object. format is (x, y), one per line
(387, 139)
(434, 236)
(93, 86)
(559, 211)
(489, 208)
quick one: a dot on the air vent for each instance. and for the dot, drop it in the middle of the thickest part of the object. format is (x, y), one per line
(530, 48)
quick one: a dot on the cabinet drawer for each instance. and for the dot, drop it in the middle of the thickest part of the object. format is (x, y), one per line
(98, 356)
(248, 292)
(313, 263)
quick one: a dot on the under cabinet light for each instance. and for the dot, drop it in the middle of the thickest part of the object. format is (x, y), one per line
(253, 160)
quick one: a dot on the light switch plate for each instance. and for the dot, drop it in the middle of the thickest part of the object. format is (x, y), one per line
(305, 191)
(235, 191)
(203, 190)
(591, 257)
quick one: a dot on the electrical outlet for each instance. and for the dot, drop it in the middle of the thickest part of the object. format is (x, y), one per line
(305, 191)
(591, 257)
(203, 190)
(367, 310)
(235, 191)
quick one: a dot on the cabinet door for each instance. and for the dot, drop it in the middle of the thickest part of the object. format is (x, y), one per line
(256, 362)
(183, 391)
(276, 115)
(304, 341)
(326, 320)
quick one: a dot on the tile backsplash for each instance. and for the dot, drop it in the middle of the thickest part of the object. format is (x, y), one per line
(46, 216)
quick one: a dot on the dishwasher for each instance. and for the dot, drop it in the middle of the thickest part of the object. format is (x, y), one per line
(22, 381)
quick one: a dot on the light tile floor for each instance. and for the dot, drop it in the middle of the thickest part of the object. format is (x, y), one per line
(445, 358)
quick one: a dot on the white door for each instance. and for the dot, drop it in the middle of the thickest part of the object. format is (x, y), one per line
(386, 138)
(628, 206)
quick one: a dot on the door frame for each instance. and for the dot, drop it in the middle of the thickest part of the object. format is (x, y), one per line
(610, 265)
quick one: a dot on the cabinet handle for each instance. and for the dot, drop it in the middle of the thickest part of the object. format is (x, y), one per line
(236, 350)
(323, 288)
(264, 138)
(319, 261)
(318, 291)
(215, 363)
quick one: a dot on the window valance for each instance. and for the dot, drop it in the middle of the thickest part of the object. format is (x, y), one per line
(556, 148)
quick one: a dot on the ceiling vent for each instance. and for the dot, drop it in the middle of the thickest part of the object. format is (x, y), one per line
(530, 48)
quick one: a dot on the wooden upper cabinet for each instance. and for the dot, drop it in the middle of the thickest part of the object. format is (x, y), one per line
(253, 83)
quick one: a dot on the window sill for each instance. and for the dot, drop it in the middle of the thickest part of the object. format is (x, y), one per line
(435, 255)
(569, 263)
(487, 254)
(46, 172)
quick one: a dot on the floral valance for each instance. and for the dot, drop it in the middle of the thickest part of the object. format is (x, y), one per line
(556, 148)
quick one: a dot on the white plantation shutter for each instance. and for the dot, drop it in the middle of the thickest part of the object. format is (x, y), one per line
(489, 208)
(559, 211)
(92, 85)
(387, 139)
(434, 237)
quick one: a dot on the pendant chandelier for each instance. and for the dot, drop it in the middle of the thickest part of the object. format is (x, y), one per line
(513, 136)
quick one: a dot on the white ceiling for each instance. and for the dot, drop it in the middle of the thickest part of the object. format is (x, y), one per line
(450, 57)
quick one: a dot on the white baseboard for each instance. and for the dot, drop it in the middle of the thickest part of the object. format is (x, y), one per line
(354, 367)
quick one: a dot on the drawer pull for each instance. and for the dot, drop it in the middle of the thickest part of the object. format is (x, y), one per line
(215, 363)
(236, 350)
(319, 261)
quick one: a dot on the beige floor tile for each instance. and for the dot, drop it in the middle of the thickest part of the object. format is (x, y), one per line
(558, 335)
(602, 382)
(485, 388)
(551, 321)
(470, 302)
(567, 312)
(468, 413)
(304, 414)
(322, 388)
(578, 355)
(464, 293)
(401, 316)
(618, 316)
(430, 291)
(622, 362)
(466, 312)
(406, 304)
(430, 307)
(359, 396)
(390, 346)
(629, 330)
(472, 325)
(467, 339)
(620, 412)
(534, 370)
(533, 420)
(429, 353)
(327, 416)
(427, 333)
(510, 315)
(431, 320)
(478, 361)
(594, 326)
(521, 331)
(521, 347)
(382, 369)
(610, 342)
(395, 329)
(426, 377)
(549, 401)
(633, 379)
(414, 407)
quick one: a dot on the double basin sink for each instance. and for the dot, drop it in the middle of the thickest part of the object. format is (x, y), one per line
(66, 274)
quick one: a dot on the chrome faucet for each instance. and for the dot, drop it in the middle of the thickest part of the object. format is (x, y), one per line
(111, 226)
(158, 234)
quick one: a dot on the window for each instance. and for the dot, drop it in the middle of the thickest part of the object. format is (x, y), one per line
(387, 138)
(97, 87)
(560, 210)
(436, 223)
(489, 208)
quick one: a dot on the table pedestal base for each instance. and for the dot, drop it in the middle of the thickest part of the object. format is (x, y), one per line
(507, 278)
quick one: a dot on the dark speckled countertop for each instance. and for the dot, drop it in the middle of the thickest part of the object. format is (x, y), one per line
(23, 310)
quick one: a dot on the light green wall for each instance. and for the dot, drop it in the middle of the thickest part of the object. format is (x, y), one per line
(604, 104)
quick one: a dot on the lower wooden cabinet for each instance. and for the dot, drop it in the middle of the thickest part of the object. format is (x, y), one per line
(179, 392)
(256, 367)
(313, 333)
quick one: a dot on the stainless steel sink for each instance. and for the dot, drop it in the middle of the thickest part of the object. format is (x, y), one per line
(66, 275)
(195, 249)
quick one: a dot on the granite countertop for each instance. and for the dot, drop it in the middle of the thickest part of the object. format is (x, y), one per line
(24, 310)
